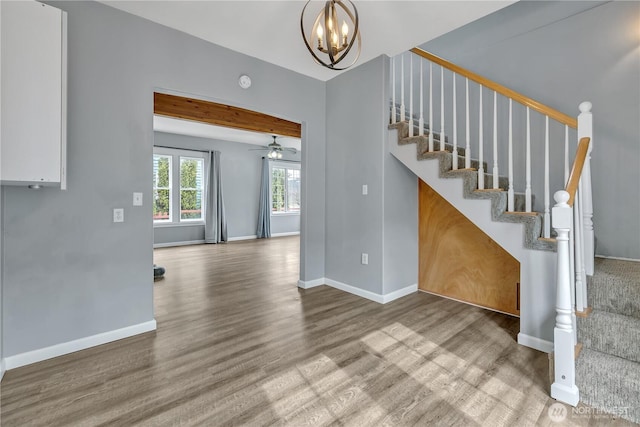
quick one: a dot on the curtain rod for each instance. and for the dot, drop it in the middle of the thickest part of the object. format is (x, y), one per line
(282, 160)
(183, 149)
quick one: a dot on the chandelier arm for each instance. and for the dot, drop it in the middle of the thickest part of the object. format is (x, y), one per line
(356, 32)
(329, 9)
(306, 43)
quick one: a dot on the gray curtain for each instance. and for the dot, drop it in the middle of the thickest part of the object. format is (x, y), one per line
(264, 213)
(215, 229)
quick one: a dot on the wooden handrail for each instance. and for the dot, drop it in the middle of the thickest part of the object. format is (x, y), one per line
(503, 90)
(576, 169)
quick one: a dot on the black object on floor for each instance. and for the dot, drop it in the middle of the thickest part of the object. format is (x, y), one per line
(158, 272)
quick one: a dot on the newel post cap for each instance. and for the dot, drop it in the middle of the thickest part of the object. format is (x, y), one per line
(561, 197)
(585, 107)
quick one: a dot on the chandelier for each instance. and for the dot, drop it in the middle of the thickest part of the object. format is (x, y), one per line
(333, 41)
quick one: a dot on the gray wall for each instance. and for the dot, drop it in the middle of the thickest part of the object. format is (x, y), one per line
(562, 53)
(241, 175)
(69, 271)
(383, 223)
(355, 143)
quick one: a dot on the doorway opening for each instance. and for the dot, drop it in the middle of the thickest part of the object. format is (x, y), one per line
(186, 131)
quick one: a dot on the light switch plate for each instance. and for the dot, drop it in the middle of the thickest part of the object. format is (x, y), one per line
(118, 215)
(137, 199)
(365, 189)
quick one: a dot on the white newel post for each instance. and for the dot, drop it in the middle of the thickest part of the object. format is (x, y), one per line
(585, 129)
(564, 387)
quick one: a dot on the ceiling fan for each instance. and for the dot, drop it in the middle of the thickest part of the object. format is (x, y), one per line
(275, 150)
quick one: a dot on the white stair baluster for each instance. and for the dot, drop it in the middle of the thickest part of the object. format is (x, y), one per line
(585, 128)
(421, 120)
(467, 151)
(480, 145)
(393, 90)
(410, 95)
(563, 387)
(442, 146)
(572, 258)
(566, 154)
(455, 127)
(495, 141)
(582, 250)
(430, 106)
(402, 106)
(579, 251)
(527, 189)
(547, 215)
(510, 193)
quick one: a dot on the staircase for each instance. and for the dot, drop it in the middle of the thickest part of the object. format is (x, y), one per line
(608, 367)
(532, 221)
(555, 247)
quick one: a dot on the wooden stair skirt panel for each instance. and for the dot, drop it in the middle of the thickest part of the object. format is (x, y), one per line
(458, 260)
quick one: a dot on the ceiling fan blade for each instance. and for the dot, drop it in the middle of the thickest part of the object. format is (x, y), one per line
(291, 149)
(259, 149)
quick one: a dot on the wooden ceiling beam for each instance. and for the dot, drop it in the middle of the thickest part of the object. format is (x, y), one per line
(180, 107)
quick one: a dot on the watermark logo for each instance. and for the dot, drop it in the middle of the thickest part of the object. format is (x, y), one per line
(557, 412)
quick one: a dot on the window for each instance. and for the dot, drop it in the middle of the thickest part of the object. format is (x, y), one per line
(178, 186)
(191, 188)
(285, 188)
(162, 188)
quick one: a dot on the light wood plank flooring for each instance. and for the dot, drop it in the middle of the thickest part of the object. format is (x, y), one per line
(239, 344)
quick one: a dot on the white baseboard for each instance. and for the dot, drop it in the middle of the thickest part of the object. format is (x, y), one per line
(392, 296)
(535, 343)
(235, 239)
(311, 283)
(171, 244)
(39, 355)
(2, 368)
(381, 299)
(355, 291)
(618, 258)
(290, 233)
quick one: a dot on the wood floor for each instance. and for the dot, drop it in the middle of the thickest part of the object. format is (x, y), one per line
(239, 344)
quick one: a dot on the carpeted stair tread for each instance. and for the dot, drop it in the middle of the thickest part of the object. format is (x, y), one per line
(611, 333)
(615, 287)
(609, 383)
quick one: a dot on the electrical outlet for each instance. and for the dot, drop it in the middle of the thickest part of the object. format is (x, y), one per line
(365, 189)
(365, 259)
(118, 215)
(137, 199)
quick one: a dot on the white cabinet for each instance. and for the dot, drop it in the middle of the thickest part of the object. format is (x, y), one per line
(33, 92)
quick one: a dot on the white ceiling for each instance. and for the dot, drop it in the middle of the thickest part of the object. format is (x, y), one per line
(203, 130)
(270, 30)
